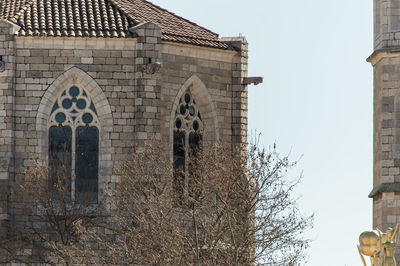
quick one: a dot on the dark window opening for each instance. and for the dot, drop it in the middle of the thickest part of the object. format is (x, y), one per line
(188, 128)
(179, 163)
(87, 160)
(74, 144)
(60, 155)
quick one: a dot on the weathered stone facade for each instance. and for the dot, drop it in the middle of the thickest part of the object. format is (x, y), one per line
(386, 62)
(135, 84)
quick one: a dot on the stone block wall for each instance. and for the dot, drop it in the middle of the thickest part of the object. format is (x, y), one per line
(135, 84)
(208, 73)
(386, 23)
(148, 82)
(383, 138)
(386, 193)
(7, 101)
(239, 90)
(109, 65)
(44, 68)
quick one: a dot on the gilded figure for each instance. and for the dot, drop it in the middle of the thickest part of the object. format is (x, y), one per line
(379, 246)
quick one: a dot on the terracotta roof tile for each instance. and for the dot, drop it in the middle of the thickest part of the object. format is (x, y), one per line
(9, 8)
(174, 28)
(101, 18)
(72, 18)
(194, 41)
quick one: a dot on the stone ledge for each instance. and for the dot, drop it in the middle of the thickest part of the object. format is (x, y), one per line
(381, 53)
(384, 187)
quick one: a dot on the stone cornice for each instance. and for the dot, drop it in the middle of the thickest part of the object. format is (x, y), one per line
(388, 52)
(384, 187)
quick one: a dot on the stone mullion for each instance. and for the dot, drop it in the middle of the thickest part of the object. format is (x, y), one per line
(73, 160)
(187, 176)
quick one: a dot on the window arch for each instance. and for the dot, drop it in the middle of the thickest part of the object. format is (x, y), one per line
(188, 130)
(73, 128)
(205, 103)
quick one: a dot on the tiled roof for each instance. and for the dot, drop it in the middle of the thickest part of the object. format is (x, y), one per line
(72, 18)
(8, 8)
(101, 18)
(173, 27)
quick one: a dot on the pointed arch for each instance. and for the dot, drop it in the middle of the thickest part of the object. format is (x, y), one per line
(75, 77)
(205, 104)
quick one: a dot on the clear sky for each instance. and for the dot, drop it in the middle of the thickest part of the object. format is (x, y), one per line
(315, 102)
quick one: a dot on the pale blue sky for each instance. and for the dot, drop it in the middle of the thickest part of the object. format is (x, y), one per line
(316, 101)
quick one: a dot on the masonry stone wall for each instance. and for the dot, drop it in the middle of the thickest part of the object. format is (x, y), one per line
(7, 101)
(210, 76)
(239, 90)
(386, 23)
(386, 63)
(135, 85)
(386, 193)
(384, 94)
(148, 82)
(111, 66)
(113, 69)
(46, 67)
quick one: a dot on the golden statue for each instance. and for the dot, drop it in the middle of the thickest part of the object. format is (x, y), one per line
(379, 246)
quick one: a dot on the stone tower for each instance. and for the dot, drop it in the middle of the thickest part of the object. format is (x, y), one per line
(386, 63)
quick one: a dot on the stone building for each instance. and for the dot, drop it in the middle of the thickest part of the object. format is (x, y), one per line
(386, 63)
(99, 76)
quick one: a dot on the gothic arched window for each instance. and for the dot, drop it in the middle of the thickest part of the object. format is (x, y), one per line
(74, 143)
(188, 128)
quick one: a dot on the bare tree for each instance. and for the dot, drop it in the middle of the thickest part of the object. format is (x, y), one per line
(145, 226)
(46, 218)
(230, 206)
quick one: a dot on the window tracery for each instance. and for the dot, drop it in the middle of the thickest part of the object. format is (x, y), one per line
(188, 128)
(74, 108)
(74, 142)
